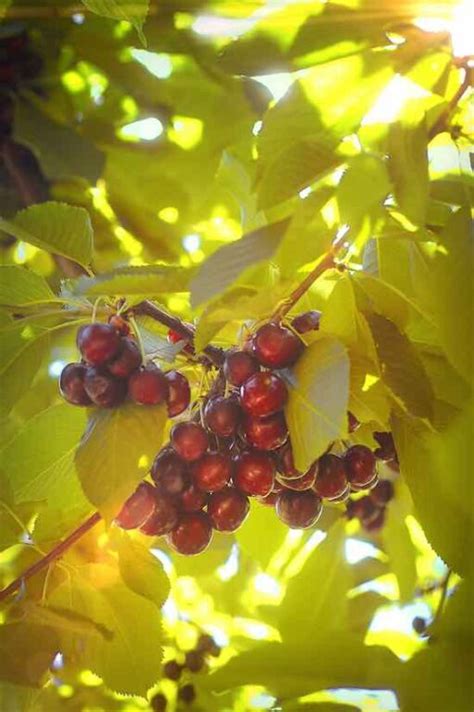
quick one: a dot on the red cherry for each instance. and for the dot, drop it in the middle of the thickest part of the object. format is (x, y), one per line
(382, 493)
(263, 394)
(359, 462)
(128, 359)
(343, 497)
(364, 509)
(148, 385)
(369, 486)
(265, 433)
(331, 481)
(169, 473)
(119, 324)
(308, 321)
(299, 510)
(228, 509)
(97, 343)
(138, 508)
(353, 423)
(189, 440)
(275, 346)
(286, 464)
(222, 416)
(179, 393)
(212, 472)
(254, 473)
(103, 389)
(192, 534)
(163, 519)
(192, 499)
(302, 483)
(270, 499)
(71, 384)
(238, 366)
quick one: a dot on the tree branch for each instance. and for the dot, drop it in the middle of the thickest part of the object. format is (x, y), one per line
(440, 124)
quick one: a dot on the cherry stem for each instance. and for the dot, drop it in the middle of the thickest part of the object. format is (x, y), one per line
(55, 553)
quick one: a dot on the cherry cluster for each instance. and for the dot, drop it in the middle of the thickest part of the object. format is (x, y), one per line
(112, 370)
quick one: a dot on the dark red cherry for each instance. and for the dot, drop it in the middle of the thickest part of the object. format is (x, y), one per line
(103, 389)
(179, 393)
(163, 519)
(97, 343)
(308, 321)
(331, 481)
(189, 440)
(192, 534)
(382, 493)
(302, 483)
(376, 523)
(386, 450)
(271, 498)
(212, 472)
(353, 423)
(187, 694)
(298, 510)
(206, 644)
(286, 464)
(159, 702)
(343, 497)
(148, 385)
(138, 507)
(238, 366)
(263, 394)
(172, 670)
(228, 509)
(275, 346)
(419, 625)
(192, 499)
(265, 433)
(359, 462)
(71, 384)
(222, 416)
(254, 473)
(369, 486)
(127, 360)
(169, 473)
(120, 325)
(194, 661)
(364, 509)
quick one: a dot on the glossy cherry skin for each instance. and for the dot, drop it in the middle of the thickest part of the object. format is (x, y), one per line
(228, 509)
(382, 493)
(127, 360)
(192, 534)
(189, 440)
(270, 499)
(298, 510)
(71, 384)
(308, 321)
(254, 473)
(98, 343)
(148, 385)
(263, 394)
(238, 366)
(212, 472)
(359, 462)
(120, 325)
(192, 499)
(163, 518)
(138, 507)
(275, 346)
(286, 463)
(222, 416)
(302, 483)
(268, 433)
(179, 393)
(169, 473)
(331, 481)
(103, 389)
(386, 450)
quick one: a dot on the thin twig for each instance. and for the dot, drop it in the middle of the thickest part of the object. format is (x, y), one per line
(440, 124)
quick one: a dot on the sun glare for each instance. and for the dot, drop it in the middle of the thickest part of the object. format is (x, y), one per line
(460, 26)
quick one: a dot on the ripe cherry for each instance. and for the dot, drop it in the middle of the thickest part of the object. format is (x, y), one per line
(194, 661)
(179, 393)
(71, 384)
(97, 343)
(302, 483)
(271, 498)
(364, 509)
(275, 346)
(169, 473)
(163, 519)
(138, 507)
(192, 499)
(148, 385)
(263, 394)
(222, 416)
(359, 462)
(298, 510)
(103, 389)
(120, 325)
(308, 321)
(189, 440)
(238, 366)
(212, 472)
(286, 464)
(254, 473)
(228, 509)
(159, 702)
(267, 433)
(192, 534)
(382, 493)
(386, 450)
(172, 670)
(331, 481)
(127, 360)
(187, 694)
(343, 497)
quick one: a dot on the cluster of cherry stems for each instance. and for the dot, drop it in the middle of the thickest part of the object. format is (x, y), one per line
(235, 444)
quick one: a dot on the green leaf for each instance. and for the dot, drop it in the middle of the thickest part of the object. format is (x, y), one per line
(316, 411)
(363, 187)
(318, 707)
(249, 536)
(116, 452)
(147, 281)
(27, 651)
(134, 12)
(60, 619)
(20, 286)
(141, 571)
(129, 661)
(224, 267)
(55, 227)
(408, 163)
(398, 544)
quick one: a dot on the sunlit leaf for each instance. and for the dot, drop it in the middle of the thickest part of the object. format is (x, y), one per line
(19, 286)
